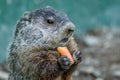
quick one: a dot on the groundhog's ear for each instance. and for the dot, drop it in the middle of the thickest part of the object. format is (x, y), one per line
(49, 7)
(26, 16)
(25, 19)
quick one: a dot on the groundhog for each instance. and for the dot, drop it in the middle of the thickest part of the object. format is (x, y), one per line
(33, 52)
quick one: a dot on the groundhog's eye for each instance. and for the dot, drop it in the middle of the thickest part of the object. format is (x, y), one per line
(50, 21)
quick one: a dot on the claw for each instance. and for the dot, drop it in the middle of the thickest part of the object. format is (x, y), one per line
(77, 56)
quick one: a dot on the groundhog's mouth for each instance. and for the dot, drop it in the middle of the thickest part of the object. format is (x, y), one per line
(64, 40)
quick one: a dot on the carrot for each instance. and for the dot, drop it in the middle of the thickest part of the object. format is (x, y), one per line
(65, 52)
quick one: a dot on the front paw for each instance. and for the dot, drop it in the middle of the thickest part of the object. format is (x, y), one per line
(77, 55)
(64, 62)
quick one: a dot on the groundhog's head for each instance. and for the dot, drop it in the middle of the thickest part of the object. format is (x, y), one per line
(44, 28)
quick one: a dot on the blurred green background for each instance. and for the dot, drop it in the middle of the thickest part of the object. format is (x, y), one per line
(85, 14)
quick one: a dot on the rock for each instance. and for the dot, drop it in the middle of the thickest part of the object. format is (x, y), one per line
(91, 40)
(102, 37)
(91, 61)
(115, 70)
(99, 79)
(3, 75)
(90, 70)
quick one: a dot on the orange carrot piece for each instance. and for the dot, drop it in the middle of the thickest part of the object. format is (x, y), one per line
(65, 52)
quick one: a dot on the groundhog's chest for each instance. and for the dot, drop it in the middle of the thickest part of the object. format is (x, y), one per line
(58, 78)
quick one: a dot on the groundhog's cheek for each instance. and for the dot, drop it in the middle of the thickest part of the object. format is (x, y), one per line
(31, 35)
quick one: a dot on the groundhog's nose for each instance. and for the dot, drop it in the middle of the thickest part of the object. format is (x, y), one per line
(70, 28)
(70, 31)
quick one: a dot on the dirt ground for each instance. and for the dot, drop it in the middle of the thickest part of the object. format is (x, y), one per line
(100, 49)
